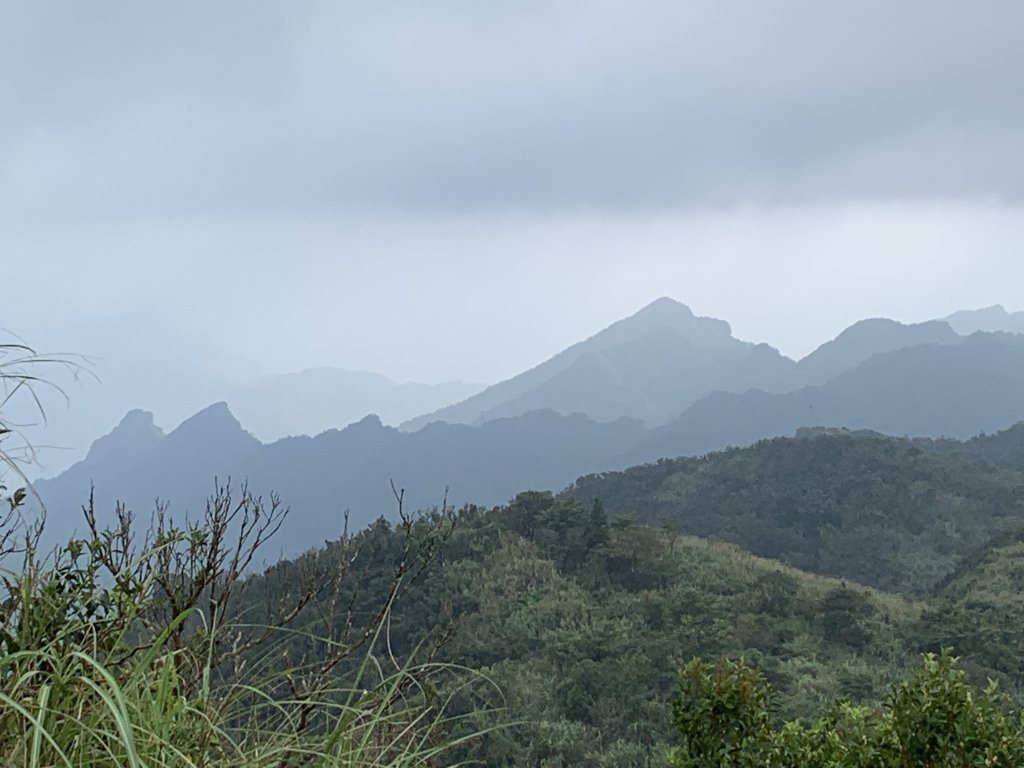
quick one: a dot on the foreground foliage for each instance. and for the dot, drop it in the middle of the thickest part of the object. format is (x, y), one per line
(123, 652)
(934, 719)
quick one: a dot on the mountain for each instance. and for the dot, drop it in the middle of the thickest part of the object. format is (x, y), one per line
(138, 360)
(929, 390)
(952, 390)
(314, 400)
(132, 361)
(879, 510)
(863, 340)
(655, 364)
(143, 464)
(990, 319)
(649, 366)
(337, 472)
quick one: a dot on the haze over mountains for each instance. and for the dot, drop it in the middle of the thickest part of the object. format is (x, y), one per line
(994, 318)
(649, 366)
(655, 364)
(316, 399)
(660, 383)
(135, 361)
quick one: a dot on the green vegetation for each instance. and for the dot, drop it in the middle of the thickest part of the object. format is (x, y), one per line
(126, 651)
(877, 510)
(933, 719)
(581, 625)
(1005, 448)
(694, 612)
(577, 628)
(117, 654)
(979, 612)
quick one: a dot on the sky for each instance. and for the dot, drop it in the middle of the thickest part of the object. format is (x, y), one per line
(458, 190)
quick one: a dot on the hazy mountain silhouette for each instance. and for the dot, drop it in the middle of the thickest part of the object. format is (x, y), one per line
(140, 361)
(649, 366)
(135, 360)
(863, 340)
(317, 399)
(951, 390)
(322, 477)
(928, 390)
(991, 319)
(920, 380)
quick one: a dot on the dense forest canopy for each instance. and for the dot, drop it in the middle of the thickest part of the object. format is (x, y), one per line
(582, 606)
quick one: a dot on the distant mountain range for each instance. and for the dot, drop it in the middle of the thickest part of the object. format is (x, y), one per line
(933, 390)
(920, 380)
(990, 319)
(651, 366)
(136, 361)
(655, 364)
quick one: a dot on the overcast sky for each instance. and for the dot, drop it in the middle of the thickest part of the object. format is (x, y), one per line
(460, 189)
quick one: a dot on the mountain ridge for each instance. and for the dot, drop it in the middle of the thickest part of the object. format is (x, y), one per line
(669, 329)
(989, 319)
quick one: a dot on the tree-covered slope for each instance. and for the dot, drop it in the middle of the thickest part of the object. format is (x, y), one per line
(878, 510)
(979, 612)
(581, 624)
(1005, 447)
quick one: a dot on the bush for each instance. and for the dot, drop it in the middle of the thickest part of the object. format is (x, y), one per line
(935, 719)
(125, 649)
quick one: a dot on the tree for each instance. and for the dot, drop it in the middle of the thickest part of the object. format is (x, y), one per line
(721, 715)
(934, 719)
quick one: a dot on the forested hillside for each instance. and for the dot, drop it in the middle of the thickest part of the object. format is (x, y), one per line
(879, 510)
(581, 624)
(581, 617)
(828, 562)
(1005, 447)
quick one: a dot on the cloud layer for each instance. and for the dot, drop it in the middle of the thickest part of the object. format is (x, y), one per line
(140, 110)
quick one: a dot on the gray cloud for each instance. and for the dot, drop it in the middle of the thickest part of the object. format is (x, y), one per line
(119, 111)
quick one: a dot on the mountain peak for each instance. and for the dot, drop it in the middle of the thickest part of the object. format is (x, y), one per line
(667, 313)
(137, 419)
(666, 307)
(370, 421)
(650, 366)
(214, 419)
(213, 434)
(867, 338)
(135, 434)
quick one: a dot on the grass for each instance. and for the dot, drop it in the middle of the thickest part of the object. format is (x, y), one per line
(68, 709)
(69, 704)
(113, 656)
